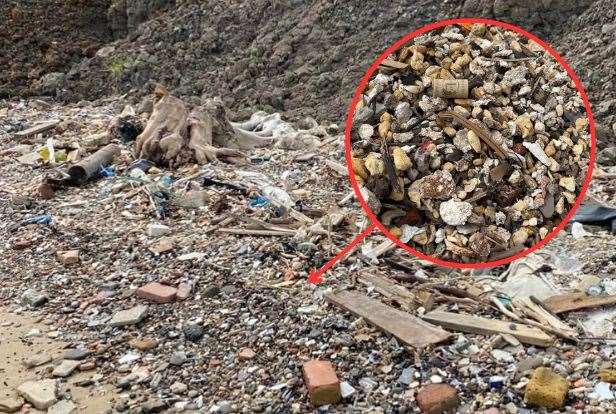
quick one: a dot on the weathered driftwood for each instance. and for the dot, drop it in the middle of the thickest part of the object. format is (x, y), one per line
(177, 134)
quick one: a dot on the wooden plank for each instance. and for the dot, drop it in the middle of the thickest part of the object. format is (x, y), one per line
(37, 129)
(574, 301)
(390, 289)
(485, 326)
(394, 64)
(404, 326)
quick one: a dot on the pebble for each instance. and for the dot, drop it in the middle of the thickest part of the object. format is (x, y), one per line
(455, 213)
(65, 368)
(130, 316)
(37, 360)
(193, 332)
(178, 388)
(157, 230)
(178, 358)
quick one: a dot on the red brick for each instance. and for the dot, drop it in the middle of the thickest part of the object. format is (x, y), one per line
(322, 383)
(492, 410)
(438, 399)
(156, 292)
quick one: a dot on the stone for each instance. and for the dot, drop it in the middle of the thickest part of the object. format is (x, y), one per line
(546, 389)
(164, 245)
(157, 230)
(63, 407)
(437, 399)
(65, 368)
(178, 388)
(143, 344)
(455, 213)
(407, 376)
(346, 390)
(246, 354)
(87, 366)
(130, 316)
(322, 382)
(501, 356)
(183, 291)
(45, 191)
(37, 360)
(76, 354)
(68, 257)
(193, 332)
(10, 404)
(34, 298)
(156, 292)
(41, 394)
(568, 183)
(178, 358)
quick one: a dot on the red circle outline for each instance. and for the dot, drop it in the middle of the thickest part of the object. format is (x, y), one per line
(362, 85)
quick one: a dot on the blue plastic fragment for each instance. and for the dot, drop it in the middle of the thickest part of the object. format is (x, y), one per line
(496, 382)
(166, 180)
(42, 219)
(107, 171)
(258, 201)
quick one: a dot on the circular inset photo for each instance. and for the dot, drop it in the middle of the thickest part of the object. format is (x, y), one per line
(470, 143)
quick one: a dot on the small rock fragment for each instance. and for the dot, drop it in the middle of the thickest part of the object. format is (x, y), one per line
(130, 316)
(157, 230)
(41, 394)
(455, 213)
(65, 368)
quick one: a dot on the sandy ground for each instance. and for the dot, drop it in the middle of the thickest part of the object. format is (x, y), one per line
(15, 347)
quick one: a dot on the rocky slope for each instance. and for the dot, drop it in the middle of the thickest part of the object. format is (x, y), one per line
(302, 58)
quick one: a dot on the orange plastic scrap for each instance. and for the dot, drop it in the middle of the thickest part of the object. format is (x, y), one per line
(466, 26)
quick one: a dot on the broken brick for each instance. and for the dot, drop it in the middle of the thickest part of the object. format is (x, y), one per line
(156, 292)
(437, 399)
(322, 382)
(546, 389)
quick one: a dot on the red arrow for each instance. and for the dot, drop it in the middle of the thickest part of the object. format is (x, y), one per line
(316, 276)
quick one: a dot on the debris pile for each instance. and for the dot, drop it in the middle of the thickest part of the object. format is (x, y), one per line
(474, 140)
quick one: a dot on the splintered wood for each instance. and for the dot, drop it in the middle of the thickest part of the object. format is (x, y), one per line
(484, 326)
(575, 301)
(37, 129)
(407, 328)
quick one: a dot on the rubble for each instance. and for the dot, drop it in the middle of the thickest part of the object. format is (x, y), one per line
(463, 115)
